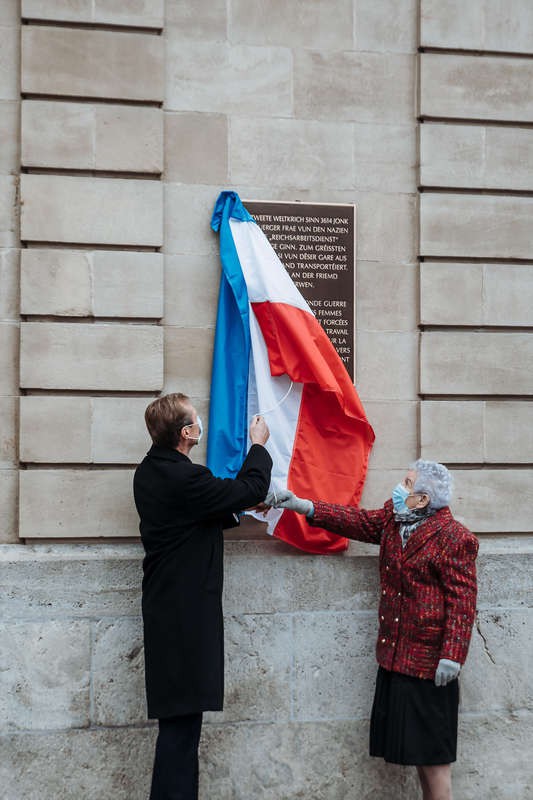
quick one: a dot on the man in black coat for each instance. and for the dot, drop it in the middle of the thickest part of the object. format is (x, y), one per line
(183, 509)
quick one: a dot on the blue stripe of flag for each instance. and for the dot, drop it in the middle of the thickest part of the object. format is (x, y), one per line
(228, 413)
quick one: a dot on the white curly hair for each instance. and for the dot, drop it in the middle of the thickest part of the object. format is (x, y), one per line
(435, 480)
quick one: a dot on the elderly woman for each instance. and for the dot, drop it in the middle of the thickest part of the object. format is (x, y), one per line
(426, 612)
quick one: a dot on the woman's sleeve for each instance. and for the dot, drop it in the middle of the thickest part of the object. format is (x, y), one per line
(459, 580)
(349, 521)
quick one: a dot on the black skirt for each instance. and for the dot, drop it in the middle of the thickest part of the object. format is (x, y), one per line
(413, 721)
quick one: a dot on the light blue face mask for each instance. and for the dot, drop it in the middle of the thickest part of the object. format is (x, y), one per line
(399, 496)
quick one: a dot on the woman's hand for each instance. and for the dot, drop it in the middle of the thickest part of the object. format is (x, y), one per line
(284, 498)
(446, 671)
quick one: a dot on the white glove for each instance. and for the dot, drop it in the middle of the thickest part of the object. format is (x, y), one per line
(284, 498)
(446, 671)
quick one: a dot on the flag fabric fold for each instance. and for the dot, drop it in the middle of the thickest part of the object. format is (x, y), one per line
(272, 357)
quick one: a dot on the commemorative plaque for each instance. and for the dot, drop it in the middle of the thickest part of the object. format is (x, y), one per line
(316, 245)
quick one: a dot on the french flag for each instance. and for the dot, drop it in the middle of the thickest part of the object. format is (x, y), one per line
(272, 357)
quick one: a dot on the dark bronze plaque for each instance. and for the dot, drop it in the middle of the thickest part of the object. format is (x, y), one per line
(316, 244)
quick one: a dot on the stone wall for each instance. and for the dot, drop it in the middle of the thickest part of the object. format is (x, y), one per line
(299, 680)
(120, 123)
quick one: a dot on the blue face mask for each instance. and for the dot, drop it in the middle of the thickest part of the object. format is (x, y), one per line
(399, 496)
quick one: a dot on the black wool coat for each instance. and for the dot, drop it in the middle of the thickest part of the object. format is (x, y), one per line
(183, 510)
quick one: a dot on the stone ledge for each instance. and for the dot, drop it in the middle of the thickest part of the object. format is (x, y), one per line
(69, 551)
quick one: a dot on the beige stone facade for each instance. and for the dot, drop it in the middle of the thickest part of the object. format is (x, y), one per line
(120, 122)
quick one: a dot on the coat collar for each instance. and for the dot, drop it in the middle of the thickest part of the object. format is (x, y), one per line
(426, 531)
(166, 454)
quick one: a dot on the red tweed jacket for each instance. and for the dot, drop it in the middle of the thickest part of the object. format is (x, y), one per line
(428, 590)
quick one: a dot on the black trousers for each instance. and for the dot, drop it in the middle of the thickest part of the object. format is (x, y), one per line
(175, 775)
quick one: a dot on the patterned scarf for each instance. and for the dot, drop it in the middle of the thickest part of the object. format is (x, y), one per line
(410, 520)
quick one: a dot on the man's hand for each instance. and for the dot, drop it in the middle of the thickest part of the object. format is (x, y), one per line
(287, 499)
(446, 671)
(259, 432)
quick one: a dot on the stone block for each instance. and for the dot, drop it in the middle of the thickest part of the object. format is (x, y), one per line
(495, 674)
(296, 582)
(135, 13)
(9, 407)
(363, 87)
(92, 63)
(118, 672)
(188, 357)
(504, 579)
(91, 136)
(393, 309)
(440, 301)
(79, 356)
(91, 210)
(9, 211)
(127, 284)
(33, 766)
(479, 226)
(452, 431)
(84, 283)
(119, 434)
(386, 227)
(482, 25)
(208, 76)
(57, 134)
(476, 87)
(481, 736)
(9, 59)
(378, 487)
(315, 759)
(386, 365)
(188, 211)
(464, 362)
(452, 155)
(10, 13)
(385, 157)
(43, 423)
(451, 24)
(396, 427)
(9, 136)
(495, 500)
(386, 26)
(102, 430)
(508, 432)
(70, 581)
(292, 152)
(9, 480)
(10, 282)
(329, 650)
(188, 137)
(196, 277)
(491, 294)
(9, 358)
(128, 138)
(476, 156)
(203, 19)
(57, 282)
(304, 23)
(258, 655)
(62, 503)
(508, 294)
(45, 673)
